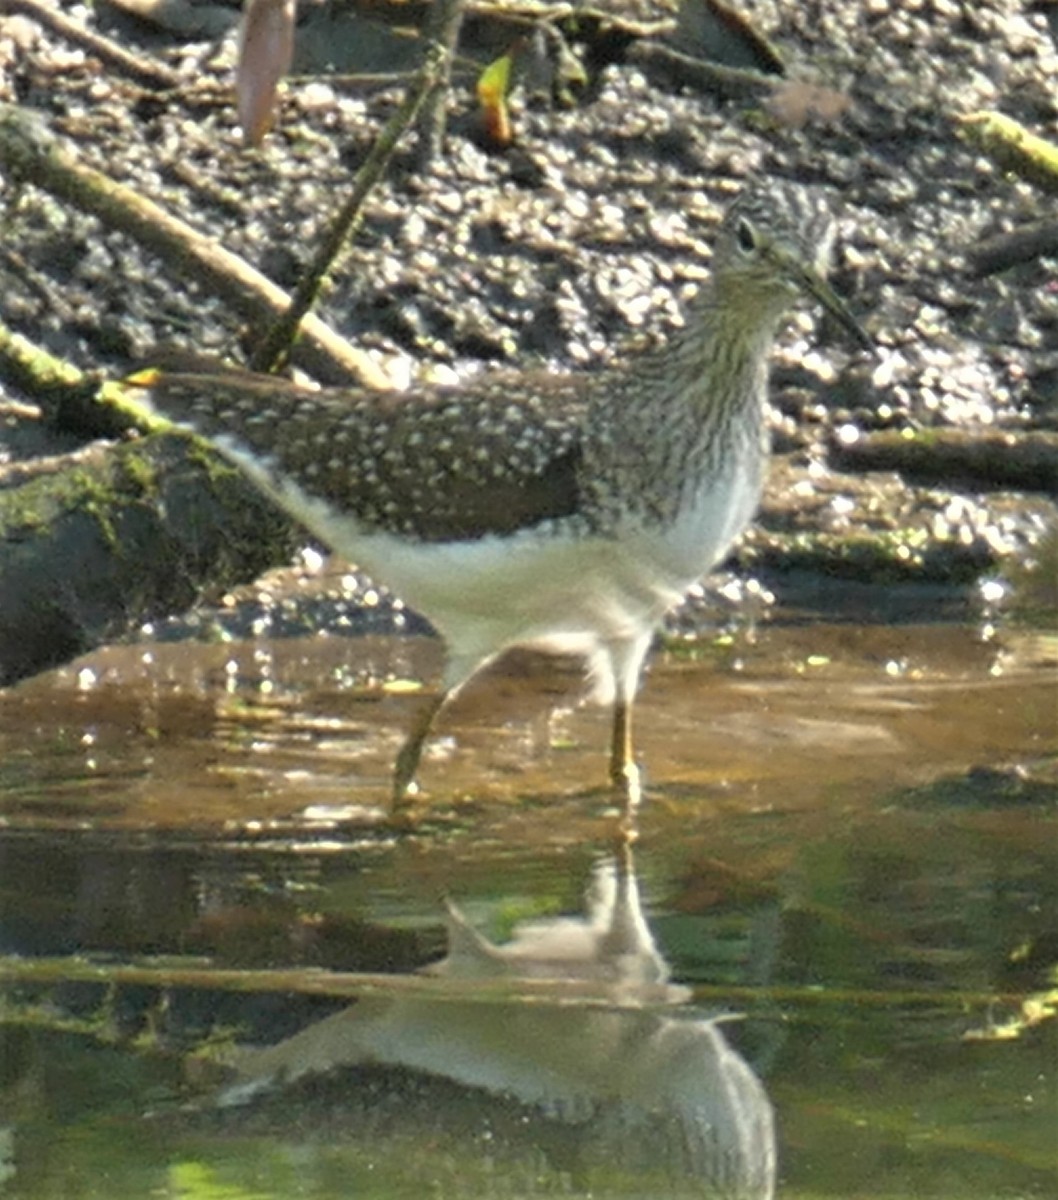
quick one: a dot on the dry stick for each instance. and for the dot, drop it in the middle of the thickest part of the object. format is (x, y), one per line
(51, 972)
(666, 67)
(443, 25)
(32, 368)
(143, 70)
(1013, 148)
(275, 348)
(989, 459)
(65, 394)
(31, 153)
(1024, 244)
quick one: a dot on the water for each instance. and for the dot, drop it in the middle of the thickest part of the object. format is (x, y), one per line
(831, 958)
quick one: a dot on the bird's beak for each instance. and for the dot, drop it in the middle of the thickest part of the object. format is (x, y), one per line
(813, 284)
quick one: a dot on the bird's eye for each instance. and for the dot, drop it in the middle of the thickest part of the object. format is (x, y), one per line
(746, 237)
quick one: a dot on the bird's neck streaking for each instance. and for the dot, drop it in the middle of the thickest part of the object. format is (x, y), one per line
(714, 369)
(727, 342)
(687, 418)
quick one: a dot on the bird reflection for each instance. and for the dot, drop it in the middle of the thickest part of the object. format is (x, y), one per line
(566, 1051)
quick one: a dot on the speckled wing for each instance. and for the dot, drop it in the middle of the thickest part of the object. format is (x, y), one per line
(438, 464)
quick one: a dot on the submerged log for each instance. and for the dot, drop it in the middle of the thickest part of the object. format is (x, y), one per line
(983, 460)
(95, 544)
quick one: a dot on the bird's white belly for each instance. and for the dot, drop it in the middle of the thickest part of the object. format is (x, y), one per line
(567, 592)
(530, 588)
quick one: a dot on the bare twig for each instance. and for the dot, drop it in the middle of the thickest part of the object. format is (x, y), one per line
(1025, 460)
(276, 345)
(1025, 244)
(143, 70)
(1012, 148)
(667, 67)
(30, 152)
(443, 25)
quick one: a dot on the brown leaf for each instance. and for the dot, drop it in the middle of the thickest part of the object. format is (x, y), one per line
(266, 49)
(797, 103)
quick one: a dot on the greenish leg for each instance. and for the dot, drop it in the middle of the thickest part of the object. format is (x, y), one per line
(624, 774)
(410, 753)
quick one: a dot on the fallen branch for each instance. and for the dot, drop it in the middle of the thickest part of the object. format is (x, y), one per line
(1012, 148)
(144, 71)
(68, 398)
(1025, 244)
(667, 68)
(276, 345)
(33, 154)
(982, 459)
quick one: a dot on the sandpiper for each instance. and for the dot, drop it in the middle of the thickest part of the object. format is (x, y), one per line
(567, 512)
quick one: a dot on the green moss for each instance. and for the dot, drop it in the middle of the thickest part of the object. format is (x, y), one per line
(20, 510)
(212, 462)
(100, 490)
(904, 555)
(140, 474)
(37, 503)
(96, 498)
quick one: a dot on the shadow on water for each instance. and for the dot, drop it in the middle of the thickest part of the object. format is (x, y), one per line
(225, 974)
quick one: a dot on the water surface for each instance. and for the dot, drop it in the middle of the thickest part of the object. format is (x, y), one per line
(215, 939)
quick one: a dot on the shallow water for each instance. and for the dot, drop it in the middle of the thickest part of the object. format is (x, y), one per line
(850, 840)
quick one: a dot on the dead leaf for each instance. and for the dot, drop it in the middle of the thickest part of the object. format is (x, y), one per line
(266, 49)
(797, 103)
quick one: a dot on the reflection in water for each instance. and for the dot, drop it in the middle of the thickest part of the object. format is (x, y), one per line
(586, 1064)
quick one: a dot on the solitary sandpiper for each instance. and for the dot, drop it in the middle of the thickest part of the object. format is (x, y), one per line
(565, 512)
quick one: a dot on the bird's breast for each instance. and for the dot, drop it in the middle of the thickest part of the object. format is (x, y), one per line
(714, 510)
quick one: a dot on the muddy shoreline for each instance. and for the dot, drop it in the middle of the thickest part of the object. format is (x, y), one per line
(578, 242)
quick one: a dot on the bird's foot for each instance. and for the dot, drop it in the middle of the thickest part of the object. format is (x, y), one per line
(628, 788)
(405, 802)
(405, 790)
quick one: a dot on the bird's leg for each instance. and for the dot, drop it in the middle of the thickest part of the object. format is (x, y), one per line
(624, 774)
(626, 662)
(411, 751)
